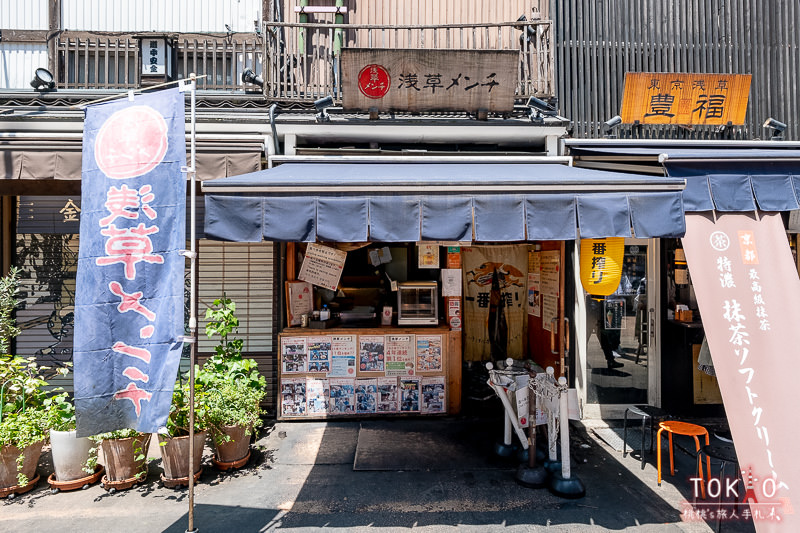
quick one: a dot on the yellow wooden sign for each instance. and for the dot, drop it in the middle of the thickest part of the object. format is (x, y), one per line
(686, 99)
(601, 264)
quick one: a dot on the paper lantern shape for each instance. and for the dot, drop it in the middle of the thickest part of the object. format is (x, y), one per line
(601, 264)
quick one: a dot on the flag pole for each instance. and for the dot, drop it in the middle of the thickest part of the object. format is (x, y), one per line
(192, 298)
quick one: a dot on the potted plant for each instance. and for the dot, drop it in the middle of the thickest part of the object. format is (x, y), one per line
(174, 445)
(233, 389)
(74, 458)
(23, 418)
(125, 457)
(23, 424)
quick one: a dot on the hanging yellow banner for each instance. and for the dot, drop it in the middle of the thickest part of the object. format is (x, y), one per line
(601, 264)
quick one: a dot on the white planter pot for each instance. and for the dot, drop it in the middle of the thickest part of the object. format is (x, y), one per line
(70, 454)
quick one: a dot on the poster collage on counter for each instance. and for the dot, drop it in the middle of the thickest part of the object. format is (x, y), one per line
(326, 381)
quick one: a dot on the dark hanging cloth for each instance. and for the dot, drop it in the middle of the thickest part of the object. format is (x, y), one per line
(498, 326)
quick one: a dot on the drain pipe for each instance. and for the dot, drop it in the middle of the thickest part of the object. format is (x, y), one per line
(272, 110)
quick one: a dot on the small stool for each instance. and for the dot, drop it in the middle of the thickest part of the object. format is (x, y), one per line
(647, 412)
(689, 430)
(724, 453)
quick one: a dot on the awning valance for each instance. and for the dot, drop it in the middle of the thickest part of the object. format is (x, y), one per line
(727, 177)
(722, 185)
(407, 202)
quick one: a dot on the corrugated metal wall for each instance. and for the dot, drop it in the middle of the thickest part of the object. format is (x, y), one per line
(32, 16)
(597, 41)
(392, 12)
(18, 61)
(184, 16)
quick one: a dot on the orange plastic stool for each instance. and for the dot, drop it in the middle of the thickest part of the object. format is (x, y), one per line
(690, 430)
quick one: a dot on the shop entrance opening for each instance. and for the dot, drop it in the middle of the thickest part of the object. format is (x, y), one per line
(620, 352)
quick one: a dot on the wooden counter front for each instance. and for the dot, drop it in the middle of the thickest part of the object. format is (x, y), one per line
(297, 362)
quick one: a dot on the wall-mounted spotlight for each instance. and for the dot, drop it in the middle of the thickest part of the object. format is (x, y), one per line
(248, 76)
(542, 107)
(42, 80)
(321, 106)
(609, 125)
(778, 128)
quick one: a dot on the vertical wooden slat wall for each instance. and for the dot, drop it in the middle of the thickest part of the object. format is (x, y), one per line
(597, 41)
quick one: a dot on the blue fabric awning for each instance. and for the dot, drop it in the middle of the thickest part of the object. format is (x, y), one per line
(408, 202)
(724, 176)
(768, 184)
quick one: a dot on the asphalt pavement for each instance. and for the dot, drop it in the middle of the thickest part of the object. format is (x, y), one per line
(303, 476)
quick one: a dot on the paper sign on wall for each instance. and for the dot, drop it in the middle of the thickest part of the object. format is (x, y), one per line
(322, 266)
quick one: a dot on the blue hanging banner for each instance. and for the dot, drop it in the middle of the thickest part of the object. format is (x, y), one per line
(129, 299)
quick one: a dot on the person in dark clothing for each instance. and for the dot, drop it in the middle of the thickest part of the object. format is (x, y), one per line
(609, 342)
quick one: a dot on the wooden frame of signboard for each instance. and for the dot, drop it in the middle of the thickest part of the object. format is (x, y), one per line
(451, 367)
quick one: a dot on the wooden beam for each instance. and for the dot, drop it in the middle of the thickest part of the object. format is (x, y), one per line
(24, 36)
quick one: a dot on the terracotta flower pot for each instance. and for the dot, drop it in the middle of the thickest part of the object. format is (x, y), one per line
(234, 449)
(175, 454)
(120, 457)
(8, 463)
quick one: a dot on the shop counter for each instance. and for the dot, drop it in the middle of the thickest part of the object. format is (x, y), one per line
(346, 372)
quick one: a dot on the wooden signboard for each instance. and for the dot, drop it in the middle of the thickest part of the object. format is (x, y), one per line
(686, 99)
(429, 80)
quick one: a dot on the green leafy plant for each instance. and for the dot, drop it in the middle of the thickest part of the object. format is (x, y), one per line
(178, 420)
(23, 414)
(232, 388)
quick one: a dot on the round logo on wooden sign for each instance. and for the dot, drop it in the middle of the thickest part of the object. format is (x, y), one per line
(374, 81)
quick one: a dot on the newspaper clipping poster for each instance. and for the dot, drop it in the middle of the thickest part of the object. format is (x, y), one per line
(293, 355)
(343, 396)
(322, 266)
(343, 356)
(387, 395)
(409, 395)
(371, 353)
(317, 394)
(429, 353)
(366, 395)
(433, 395)
(400, 355)
(319, 354)
(293, 396)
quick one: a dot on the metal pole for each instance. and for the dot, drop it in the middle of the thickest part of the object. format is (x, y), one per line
(563, 417)
(192, 299)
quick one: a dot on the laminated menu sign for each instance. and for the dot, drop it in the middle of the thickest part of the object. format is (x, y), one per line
(293, 396)
(322, 266)
(400, 355)
(293, 355)
(343, 356)
(387, 395)
(319, 354)
(433, 395)
(366, 395)
(429, 353)
(343, 396)
(317, 396)
(409, 395)
(370, 353)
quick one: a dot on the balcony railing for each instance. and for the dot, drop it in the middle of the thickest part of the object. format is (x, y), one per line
(92, 62)
(303, 59)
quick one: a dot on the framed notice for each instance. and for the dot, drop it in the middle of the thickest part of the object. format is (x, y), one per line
(299, 300)
(428, 255)
(613, 314)
(343, 356)
(294, 355)
(322, 266)
(429, 353)
(400, 355)
(550, 264)
(371, 353)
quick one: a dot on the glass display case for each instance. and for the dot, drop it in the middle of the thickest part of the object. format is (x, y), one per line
(417, 303)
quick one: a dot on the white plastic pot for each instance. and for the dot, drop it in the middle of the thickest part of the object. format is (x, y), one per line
(70, 454)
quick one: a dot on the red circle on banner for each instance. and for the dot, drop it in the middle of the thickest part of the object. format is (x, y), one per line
(374, 81)
(131, 142)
